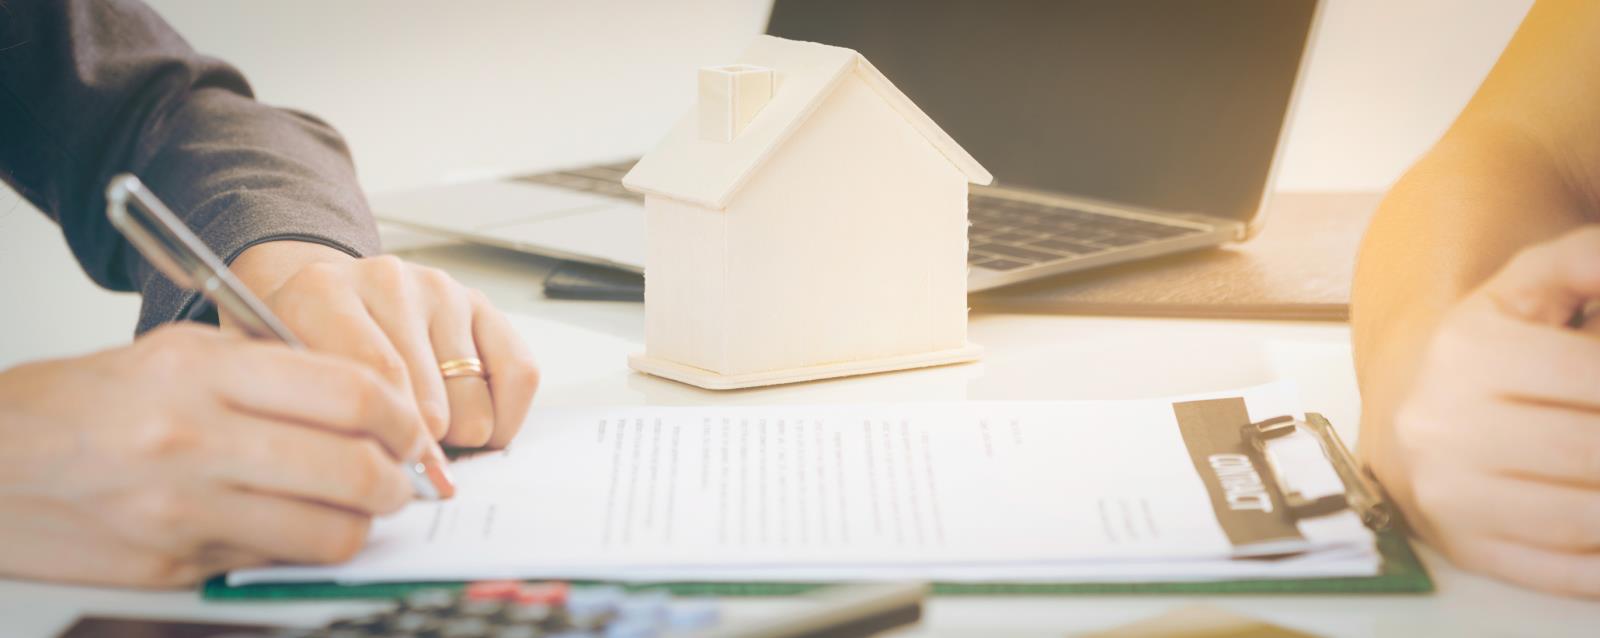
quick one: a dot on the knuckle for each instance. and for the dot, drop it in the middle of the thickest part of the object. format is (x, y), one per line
(391, 366)
(375, 402)
(161, 438)
(518, 372)
(366, 394)
(386, 269)
(164, 361)
(161, 511)
(523, 370)
(370, 472)
(168, 351)
(385, 363)
(436, 279)
(388, 262)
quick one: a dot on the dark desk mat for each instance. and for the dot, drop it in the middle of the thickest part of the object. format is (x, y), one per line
(1299, 267)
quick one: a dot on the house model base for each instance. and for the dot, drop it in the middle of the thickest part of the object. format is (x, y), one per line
(713, 381)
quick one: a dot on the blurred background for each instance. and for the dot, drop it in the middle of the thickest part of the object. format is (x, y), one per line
(434, 92)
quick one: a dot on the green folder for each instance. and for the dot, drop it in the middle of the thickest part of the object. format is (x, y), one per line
(1402, 573)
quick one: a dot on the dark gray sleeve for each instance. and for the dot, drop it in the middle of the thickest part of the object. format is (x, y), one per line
(91, 88)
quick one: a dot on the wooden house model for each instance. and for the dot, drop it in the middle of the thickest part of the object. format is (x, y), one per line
(805, 220)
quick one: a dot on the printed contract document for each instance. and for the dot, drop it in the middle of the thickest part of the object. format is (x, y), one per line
(975, 491)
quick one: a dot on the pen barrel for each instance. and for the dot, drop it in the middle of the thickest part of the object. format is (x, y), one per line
(248, 313)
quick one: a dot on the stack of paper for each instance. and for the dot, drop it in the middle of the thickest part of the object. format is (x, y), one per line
(976, 491)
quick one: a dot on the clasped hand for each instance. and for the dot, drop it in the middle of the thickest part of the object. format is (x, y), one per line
(1498, 440)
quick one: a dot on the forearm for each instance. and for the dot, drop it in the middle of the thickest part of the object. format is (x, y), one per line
(92, 88)
(1518, 167)
(245, 176)
(1483, 193)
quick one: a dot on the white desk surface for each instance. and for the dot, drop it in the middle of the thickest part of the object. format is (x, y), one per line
(582, 348)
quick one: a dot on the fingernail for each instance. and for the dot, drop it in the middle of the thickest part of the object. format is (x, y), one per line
(438, 471)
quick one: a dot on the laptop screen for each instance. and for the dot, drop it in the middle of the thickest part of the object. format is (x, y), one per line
(1165, 104)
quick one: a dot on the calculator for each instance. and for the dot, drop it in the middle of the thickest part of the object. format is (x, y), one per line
(517, 609)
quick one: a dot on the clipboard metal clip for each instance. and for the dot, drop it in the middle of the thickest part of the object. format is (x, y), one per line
(1361, 495)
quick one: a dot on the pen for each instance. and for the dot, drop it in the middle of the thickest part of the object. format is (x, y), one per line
(169, 246)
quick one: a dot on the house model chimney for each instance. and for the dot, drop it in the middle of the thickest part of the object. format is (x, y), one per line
(730, 97)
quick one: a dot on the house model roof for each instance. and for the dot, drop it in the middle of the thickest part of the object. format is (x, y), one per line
(687, 168)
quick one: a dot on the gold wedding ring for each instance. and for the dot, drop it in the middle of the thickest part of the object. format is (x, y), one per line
(466, 367)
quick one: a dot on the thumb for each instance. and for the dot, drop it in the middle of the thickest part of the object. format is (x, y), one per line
(1550, 283)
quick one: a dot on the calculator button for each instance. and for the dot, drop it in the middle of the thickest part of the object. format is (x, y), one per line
(648, 606)
(492, 590)
(514, 609)
(529, 614)
(593, 601)
(412, 622)
(429, 599)
(373, 622)
(464, 628)
(691, 615)
(625, 628)
(479, 608)
(541, 594)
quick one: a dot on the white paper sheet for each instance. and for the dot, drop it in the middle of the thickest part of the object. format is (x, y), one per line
(1080, 491)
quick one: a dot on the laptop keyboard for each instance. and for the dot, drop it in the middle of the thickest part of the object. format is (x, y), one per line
(602, 179)
(1006, 234)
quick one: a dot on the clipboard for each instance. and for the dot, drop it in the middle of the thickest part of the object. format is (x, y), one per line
(1226, 429)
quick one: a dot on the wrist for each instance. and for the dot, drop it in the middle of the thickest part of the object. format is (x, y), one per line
(264, 267)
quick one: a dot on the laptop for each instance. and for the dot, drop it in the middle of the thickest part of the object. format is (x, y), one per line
(1116, 130)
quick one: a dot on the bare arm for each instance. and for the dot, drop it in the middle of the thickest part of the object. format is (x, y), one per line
(91, 88)
(1519, 168)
